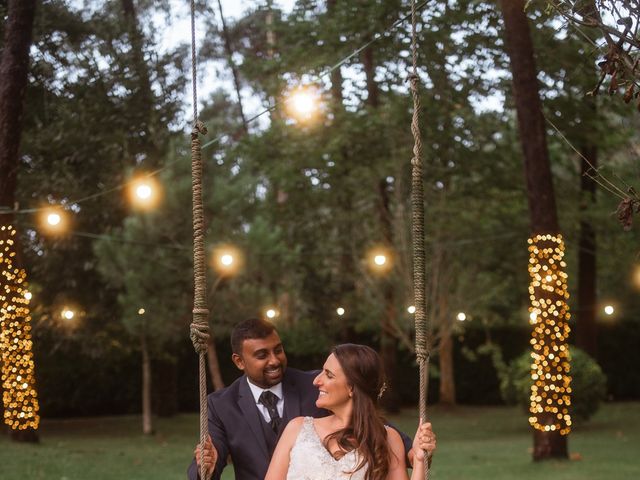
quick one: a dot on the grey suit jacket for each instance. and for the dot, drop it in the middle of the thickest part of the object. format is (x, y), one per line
(234, 423)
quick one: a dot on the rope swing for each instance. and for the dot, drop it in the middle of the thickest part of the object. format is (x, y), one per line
(199, 329)
(417, 232)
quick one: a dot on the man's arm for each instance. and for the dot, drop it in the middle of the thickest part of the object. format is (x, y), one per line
(219, 437)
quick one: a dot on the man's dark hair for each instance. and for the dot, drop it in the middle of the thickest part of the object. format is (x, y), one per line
(249, 329)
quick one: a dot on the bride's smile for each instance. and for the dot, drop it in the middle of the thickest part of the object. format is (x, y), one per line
(333, 388)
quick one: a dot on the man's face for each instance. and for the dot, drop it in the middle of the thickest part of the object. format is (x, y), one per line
(263, 360)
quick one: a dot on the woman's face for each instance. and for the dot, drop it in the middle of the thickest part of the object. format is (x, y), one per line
(334, 390)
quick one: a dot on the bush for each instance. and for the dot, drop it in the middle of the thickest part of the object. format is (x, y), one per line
(588, 383)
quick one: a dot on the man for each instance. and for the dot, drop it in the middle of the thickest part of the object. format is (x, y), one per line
(247, 417)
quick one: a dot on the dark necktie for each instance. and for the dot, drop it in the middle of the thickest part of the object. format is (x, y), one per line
(270, 401)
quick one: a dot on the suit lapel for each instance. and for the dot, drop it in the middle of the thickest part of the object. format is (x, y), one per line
(248, 406)
(291, 399)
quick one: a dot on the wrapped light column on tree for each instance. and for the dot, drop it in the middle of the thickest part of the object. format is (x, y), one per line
(19, 394)
(549, 315)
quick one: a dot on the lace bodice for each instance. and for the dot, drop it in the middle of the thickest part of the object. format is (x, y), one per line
(310, 460)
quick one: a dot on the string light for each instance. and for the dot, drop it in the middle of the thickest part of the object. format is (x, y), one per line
(53, 220)
(144, 192)
(303, 103)
(227, 260)
(340, 311)
(461, 316)
(411, 309)
(380, 260)
(271, 313)
(609, 310)
(18, 380)
(549, 315)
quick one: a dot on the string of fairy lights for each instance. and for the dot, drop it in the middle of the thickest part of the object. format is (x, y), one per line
(549, 312)
(18, 379)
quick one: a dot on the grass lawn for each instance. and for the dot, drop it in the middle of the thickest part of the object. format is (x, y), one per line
(475, 443)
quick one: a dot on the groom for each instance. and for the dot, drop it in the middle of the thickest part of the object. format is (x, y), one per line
(247, 417)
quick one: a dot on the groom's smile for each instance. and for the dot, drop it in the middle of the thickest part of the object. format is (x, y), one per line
(263, 360)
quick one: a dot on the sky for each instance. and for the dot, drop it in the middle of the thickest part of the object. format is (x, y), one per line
(180, 32)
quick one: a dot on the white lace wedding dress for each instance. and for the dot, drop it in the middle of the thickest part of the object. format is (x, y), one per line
(310, 460)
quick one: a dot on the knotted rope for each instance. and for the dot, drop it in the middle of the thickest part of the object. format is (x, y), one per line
(199, 329)
(417, 230)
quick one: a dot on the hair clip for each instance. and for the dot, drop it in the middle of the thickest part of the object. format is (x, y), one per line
(383, 389)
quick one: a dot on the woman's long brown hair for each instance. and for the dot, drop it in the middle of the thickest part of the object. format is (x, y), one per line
(365, 432)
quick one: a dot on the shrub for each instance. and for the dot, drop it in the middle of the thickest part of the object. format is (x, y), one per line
(588, 383)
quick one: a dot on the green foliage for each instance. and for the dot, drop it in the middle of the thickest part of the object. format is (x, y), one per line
(304, 338)
(588, 383)
(303, 202)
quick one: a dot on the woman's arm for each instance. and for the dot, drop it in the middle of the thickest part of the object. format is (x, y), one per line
(279, 465)
(425, 440)
(397, 465)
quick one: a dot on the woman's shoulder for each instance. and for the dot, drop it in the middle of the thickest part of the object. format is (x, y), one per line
(393, 438)
(296, 424)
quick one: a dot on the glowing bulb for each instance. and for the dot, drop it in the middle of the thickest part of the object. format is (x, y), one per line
(533, 316)
(227, 260)
(340, 311)
(609, 310)
(28, 295)
(68, 314)
(411, 309)
(380, 260)
(303, 102)
(54, 219)
(271, 313)
(143, 191)
(141, 311)
(461, 316)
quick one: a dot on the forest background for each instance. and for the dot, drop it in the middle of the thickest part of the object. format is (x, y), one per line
(108, 97)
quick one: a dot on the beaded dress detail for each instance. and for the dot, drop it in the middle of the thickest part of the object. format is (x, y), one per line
(310, 460)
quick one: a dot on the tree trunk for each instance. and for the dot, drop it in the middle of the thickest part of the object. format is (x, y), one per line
(232, 65)
(164, 385)
(531, 126)
(214, 365)
(147, 418)
(373, 97)
(14, 68)
(447, 380)
(388, 349)
(143, 118)
(586, 330)
(540, 193)
(388, 345)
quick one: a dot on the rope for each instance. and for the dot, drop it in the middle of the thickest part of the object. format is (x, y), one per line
(199, 329)
(417, 229)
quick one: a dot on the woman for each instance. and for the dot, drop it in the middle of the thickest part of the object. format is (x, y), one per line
(352, 443)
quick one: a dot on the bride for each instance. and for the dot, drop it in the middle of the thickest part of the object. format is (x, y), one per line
(352, 443)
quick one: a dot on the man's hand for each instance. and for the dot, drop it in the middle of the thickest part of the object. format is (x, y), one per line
(425, 440)
(209, 456)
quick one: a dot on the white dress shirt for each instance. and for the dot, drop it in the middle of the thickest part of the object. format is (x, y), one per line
(257, 391)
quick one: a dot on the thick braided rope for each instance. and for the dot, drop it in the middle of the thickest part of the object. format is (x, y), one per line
(417, 229)
(199, 329)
